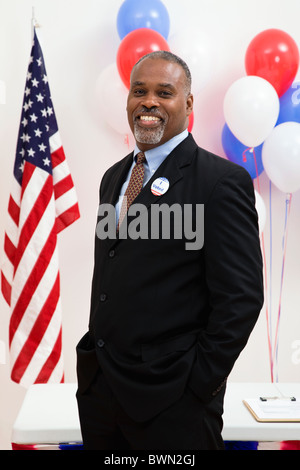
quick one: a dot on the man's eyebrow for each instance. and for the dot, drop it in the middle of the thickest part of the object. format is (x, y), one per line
(167, 85)
(137, 83)
(163, 85)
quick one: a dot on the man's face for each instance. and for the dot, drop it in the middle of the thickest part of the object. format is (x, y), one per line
(158, 105)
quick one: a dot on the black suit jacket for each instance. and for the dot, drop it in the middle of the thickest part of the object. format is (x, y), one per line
(164, 317)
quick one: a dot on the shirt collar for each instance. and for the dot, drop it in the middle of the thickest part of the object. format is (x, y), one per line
(156, 155)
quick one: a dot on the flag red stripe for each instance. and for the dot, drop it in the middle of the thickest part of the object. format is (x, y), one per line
(32, 283)
(6, 288)
(57, 157)
(67, 218)
(9, 249)
(14, 210)
(33, 219)
(27, 174)
(51, 362)
(63, 186)
(37, 332)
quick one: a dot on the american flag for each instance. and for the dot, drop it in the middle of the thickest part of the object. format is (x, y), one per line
(41, 204)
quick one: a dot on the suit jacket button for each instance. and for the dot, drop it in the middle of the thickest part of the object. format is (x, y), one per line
(103, 297)
(111, 254)
(100, 343)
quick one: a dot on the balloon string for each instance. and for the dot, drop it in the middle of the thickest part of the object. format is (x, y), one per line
(273, 357)
(244, 154)
(256, 170)
(265, 268)
(284, 243)
(269, 321)
(267, 307)
(255, 163)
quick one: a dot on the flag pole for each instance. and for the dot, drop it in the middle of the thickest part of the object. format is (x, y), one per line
(33, 19)
(34, 23)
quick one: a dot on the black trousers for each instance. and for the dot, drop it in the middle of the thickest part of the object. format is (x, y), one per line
(187, 424)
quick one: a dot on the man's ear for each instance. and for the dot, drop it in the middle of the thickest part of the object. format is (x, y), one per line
(189, 104)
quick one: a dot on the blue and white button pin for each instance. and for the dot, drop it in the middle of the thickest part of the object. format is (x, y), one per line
(160, 186)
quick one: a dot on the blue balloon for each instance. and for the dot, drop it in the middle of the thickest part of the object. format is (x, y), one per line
(238, 153)
(135, 14)
(290, 105)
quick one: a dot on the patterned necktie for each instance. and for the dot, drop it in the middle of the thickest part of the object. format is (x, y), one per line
(134, 186)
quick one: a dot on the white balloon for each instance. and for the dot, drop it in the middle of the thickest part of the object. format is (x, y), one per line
(261, 211)
(251, 109)
(196, 53)
(281, 156)
(111, 96)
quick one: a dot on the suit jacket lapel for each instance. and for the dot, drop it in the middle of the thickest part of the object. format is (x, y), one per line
(167, 170)
(170, 168)
(117, 179)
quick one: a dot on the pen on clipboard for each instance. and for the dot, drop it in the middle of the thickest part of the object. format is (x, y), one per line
(277, 398)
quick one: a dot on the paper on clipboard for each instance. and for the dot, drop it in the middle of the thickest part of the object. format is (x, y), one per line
(274, 410)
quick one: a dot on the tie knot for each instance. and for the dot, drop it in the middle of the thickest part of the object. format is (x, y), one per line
(140, 158)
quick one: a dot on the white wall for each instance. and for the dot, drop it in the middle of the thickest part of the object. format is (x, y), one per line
(79, 39)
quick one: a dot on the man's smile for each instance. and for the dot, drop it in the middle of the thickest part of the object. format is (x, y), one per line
(148, 120)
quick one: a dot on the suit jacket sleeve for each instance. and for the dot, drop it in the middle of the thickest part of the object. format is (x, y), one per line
(234, 279)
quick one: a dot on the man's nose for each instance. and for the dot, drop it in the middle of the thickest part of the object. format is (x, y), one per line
(150, 101)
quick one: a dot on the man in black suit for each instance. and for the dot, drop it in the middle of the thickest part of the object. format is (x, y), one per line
(172, 305)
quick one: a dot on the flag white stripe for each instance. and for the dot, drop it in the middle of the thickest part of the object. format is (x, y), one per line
(65, 201)
(16, 192)
(31, 194)
(7, 269)
(60, 172)
(55, 142)
(31, 253)
(44, 349)
(36, 303)
(12, 231)
(58, 371)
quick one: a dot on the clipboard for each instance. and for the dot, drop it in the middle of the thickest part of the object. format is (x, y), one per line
(274, 409)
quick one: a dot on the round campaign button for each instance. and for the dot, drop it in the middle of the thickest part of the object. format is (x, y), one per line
(160, 186)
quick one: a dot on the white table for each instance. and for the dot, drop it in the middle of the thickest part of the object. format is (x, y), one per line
(49, 415)
(240, 425)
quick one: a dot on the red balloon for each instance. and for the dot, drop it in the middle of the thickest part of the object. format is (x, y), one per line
(191, 121)
(135, 45)
(274, 56)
